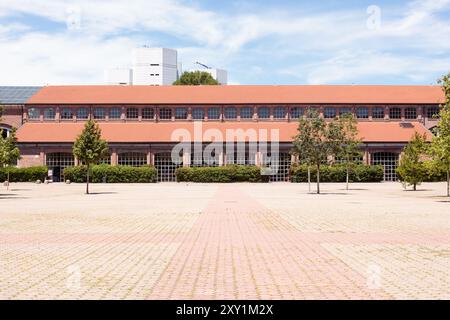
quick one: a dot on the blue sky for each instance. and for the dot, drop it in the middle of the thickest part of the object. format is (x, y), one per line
(258, 42)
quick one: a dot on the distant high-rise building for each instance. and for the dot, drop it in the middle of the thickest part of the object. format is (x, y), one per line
(219, 74)
(118, 76)
(154, 66)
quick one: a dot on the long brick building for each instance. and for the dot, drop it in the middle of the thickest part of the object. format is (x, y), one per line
(139, 122)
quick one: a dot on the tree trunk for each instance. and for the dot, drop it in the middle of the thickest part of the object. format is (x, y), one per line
(7, 180)
(318, 179)
(347, 178)
(87, 180)
(309, 178)
(448, 183)
(415, 186)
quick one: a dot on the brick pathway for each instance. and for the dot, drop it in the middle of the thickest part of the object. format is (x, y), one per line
(223, 242)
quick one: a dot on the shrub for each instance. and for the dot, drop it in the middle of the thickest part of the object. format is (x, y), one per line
(112, 174)
(30, 174)
(337, 173)
(229, 173)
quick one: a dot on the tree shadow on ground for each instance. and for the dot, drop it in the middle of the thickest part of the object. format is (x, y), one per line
(330, 193)
(97, 193)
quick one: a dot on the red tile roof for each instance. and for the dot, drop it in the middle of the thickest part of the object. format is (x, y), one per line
(141, 132)
(238, 95)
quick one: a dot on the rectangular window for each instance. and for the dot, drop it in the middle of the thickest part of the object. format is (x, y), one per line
(213, 113)
(99, 113)
(411, 113)
(198, 113)
(67, 114)
(115, 113)
(246, 113)
(296, 113)
(263, 113)
(34, 113)
(395, 113)
(230, 113)
(378, 113)
(279, 113)
(362, 113)
(148, 113)
(432, 112)
(181, 113)
(132, 113)
(82, 113)
(165, 113)
(49, 114)
(329, 113)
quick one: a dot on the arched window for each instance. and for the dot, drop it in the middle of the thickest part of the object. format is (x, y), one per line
(133, 159)
(34, 113)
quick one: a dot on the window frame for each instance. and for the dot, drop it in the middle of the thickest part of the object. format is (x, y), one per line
(251, 114)
(36, 112)
(395, 113)
(45, 113)
(94, 113)
(275, 115)
(364, 115)
(225, 113)
(166, 112)
(326, 115)
(78, 113)
(62, 114)
(375, 114)
(132, 113)
(409, 111)
(265, 116)
(146, 112)
(216, 116)
(110, 113)
(200, 110)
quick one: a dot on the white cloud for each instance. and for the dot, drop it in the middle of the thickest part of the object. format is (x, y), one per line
(338, 41)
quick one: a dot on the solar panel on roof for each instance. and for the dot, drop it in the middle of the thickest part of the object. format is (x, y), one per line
(16, 94)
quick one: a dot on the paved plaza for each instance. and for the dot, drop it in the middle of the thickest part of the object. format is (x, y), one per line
(230, 241)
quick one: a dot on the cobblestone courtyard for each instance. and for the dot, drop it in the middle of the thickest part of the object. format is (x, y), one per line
(236, 241)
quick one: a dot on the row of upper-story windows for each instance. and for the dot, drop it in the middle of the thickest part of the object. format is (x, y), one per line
(229, 113)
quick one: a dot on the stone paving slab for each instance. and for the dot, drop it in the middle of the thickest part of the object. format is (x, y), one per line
(231, 241)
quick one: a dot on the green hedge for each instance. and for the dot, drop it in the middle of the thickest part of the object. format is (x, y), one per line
(337, 173)
(30, 174)
(228, 173)
(112, 174)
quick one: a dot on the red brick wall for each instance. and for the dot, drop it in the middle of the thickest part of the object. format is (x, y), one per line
(12, 116)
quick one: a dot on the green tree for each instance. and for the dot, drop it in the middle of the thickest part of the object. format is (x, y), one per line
(196, 78)
(440, 145)
(349, 151)
(317, 140)
(89, 148)
(9, 152)
(411, 169)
